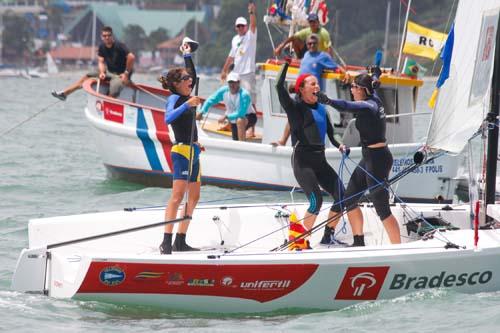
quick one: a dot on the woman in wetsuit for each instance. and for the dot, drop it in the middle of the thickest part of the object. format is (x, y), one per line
(179, 113)
(309, 124)
(376, 157)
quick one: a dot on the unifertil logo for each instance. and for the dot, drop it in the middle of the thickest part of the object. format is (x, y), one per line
(266, 285)
(362, 283)
(113, 112)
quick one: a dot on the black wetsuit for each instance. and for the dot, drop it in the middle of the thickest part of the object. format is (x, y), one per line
(370, 122)
(309, 124)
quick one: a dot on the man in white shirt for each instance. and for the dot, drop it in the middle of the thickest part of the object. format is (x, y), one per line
(242, 54)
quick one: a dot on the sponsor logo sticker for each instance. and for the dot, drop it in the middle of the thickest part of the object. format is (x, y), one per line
(148, 275)
(362, 283)
(175, 279)
(112, 276)
(201, 283)
(266, 285)
(227, 281)
(113, 112)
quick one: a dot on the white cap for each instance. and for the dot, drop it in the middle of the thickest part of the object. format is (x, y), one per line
(241, 20)
(233, 77)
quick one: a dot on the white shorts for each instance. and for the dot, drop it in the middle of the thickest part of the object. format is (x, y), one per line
(248, 82)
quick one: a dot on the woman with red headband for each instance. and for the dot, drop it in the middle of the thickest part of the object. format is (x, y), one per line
(310, 125)
(376, 162)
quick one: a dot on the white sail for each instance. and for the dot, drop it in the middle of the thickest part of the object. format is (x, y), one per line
(464, 98)
(51, 65)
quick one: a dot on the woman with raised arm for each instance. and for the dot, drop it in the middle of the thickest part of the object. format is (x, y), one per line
(376, 159)
(310, 124)
(180, 113)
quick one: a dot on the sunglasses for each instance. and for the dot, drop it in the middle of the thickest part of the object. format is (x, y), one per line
(240, 26)
(312, 43)
(185, 77)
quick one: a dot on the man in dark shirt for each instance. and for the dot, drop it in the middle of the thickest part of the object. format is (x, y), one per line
(116, 63)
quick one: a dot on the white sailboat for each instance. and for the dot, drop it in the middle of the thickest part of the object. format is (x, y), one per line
(244, 269)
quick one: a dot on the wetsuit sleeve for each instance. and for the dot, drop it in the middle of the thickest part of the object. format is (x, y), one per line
(242, 108)
(188, 62)
(350, 106)
(215, 98)
(285, 100)
(329, 132)
(172, 112)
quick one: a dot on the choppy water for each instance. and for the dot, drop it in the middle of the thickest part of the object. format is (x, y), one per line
(49, 166)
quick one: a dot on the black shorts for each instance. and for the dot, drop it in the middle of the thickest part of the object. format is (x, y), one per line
(378, 163)
(252, 120)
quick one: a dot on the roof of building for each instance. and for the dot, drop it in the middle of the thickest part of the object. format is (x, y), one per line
(68, 52)
(173, 43)
(118, 17)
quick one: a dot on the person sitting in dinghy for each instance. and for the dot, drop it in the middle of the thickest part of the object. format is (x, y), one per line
(179, 114)
(376, 162)
(115, 62)
(310, 125)
(239, 110)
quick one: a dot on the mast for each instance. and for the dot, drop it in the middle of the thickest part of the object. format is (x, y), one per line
(94, 23)
(491, 162)
(386, 37)
(404, 36)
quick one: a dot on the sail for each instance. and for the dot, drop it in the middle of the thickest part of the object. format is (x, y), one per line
(51, 65)
(464, 98)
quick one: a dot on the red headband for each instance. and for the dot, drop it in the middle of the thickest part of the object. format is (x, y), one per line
(299, 81)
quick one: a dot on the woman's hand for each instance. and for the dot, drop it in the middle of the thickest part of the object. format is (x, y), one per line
(344, 149)
(194, 101)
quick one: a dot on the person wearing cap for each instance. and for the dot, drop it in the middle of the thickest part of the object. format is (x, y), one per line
(239, 111)
(179, 114)
(242, 54)
(376, 162)
(299, 39)
(310, 125)
(115, 62)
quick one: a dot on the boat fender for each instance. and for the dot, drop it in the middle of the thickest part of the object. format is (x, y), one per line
(419, 157)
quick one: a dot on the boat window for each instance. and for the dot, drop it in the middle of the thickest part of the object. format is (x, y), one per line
(389, 97)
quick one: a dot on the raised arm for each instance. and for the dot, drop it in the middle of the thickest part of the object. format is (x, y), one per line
(284, 97)
(188, 62)
(253, 18)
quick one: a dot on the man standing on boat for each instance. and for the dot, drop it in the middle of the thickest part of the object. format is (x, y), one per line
(115, 62)
(242, 54)
(239, 110)
(299, 39)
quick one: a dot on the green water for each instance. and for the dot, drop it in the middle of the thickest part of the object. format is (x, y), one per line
(50, 166)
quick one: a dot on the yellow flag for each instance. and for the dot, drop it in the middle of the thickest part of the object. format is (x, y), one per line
(423, 42)
(432, 100)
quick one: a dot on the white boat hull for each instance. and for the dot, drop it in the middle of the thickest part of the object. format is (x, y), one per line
(128, 269)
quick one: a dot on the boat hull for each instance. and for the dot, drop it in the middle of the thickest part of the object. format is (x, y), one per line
(238, 272)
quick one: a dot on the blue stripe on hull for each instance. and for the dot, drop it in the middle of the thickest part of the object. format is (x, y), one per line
(147, 143)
